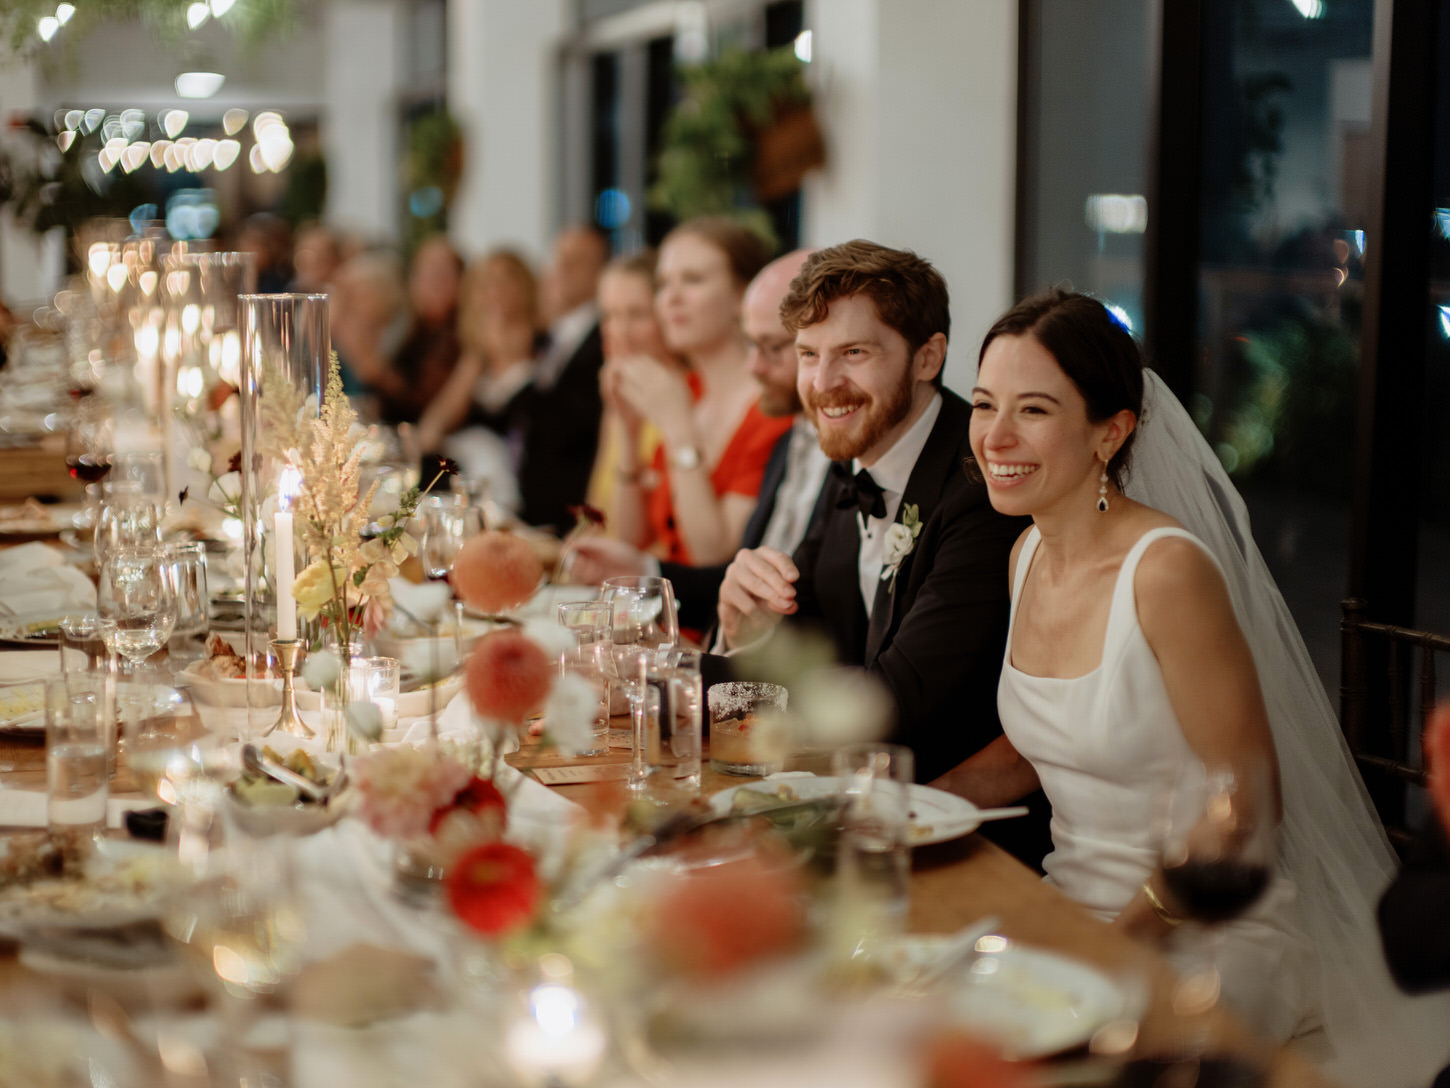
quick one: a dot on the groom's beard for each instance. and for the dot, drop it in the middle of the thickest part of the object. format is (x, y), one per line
(871, 423)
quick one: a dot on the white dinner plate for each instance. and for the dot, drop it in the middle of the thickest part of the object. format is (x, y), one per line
(936, 816)
(1029, 1001)
(17, 629)
(23, 676)
(125, 884)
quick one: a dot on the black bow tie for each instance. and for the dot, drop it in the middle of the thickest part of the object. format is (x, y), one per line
(862, 492)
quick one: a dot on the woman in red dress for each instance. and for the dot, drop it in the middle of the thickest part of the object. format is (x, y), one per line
(692, 503)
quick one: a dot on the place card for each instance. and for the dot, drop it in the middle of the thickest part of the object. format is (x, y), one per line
(575, 776)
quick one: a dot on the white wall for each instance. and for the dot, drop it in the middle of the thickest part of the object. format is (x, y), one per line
(364, 43)
(502, 76)
(918, 100)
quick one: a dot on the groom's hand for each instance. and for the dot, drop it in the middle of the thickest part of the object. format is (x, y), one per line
(759, 589)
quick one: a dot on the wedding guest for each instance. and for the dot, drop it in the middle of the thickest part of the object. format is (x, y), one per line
(498, 331)
(692, 503)
(268, 238)
(627, 326)
(1125, 668)
(405, 382)
(369, 314)
(794, 475)
(558, 429)
(316, 257)
(927, 617)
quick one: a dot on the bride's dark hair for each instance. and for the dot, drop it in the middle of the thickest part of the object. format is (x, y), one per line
(1094, 350)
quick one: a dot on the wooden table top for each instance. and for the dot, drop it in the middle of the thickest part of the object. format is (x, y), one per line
(952, 885)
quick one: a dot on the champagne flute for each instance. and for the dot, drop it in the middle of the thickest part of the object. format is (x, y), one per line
(136, 602)
(638, 627)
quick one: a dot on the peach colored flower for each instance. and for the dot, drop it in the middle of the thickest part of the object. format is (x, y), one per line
(402, 788)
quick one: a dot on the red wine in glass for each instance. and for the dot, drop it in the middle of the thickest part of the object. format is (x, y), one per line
(1215, 891)
(88, 468)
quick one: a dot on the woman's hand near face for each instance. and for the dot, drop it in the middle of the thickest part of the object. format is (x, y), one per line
(614, 402)
(655, 392)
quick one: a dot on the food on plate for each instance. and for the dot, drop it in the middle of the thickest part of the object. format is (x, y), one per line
(224, 663)
(20, 700)
(747, 800)
(260, 790)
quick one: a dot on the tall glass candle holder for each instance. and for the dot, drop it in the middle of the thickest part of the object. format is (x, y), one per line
(284, 353)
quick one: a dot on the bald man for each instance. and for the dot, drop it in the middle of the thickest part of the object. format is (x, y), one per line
(794, 474)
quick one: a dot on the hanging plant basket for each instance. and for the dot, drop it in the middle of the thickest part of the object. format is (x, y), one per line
(742, 133)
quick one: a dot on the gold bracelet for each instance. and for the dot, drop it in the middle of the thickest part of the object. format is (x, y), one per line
(1166, 916)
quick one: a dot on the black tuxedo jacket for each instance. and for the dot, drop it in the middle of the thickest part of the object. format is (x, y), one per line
(558, 432)
(697, 589)
(936, 638)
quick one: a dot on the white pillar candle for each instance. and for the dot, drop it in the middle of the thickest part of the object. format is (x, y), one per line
(286, 603)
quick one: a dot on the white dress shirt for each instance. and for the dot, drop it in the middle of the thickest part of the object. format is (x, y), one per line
(805, 471)
(891, 472)
(565, 336)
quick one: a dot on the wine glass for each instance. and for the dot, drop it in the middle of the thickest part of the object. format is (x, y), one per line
(88, 451)
(136, 602)
(128, 518)
(447, 525)
(1218, 848)
(638, 626)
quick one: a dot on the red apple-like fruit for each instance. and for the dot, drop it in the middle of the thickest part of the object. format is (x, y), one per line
(508, 676)
(496, 571)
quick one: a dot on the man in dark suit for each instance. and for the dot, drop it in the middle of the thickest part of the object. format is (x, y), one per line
(558, 429)
(793, 476)
(906, 564)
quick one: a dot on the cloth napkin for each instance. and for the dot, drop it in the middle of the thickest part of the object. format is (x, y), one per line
(36, 578)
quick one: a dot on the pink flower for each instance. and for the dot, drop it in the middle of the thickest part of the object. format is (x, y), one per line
(402, 788)
(375, 616)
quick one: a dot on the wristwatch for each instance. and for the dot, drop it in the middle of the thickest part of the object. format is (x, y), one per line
(685, 458)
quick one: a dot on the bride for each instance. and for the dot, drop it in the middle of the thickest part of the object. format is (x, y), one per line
(1143, 622)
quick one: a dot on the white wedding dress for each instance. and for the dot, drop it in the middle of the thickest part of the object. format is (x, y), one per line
(1107, 748)
(1107, 741)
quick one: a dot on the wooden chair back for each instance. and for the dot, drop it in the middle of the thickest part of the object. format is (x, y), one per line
(1389, 685)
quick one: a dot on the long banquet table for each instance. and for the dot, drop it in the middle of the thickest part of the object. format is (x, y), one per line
(952, 885)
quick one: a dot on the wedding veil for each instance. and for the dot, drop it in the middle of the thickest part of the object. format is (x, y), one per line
(1332, 844)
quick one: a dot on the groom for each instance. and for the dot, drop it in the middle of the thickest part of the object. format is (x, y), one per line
(906, 562)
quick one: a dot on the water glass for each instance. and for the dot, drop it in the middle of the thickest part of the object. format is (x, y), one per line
(166, 743)
(873, 854)
(747, 728)
(638, 625)
(376, 680)
(147, 468)
(136, 602)
(582, 662)
(672, 724)
(127, 518)
(187, 560)
(78, 734)
(82, 647)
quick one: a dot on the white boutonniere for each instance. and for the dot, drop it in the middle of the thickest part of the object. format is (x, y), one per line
(900, 542)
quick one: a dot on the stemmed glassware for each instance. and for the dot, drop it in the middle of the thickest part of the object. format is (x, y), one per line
(88, 450)
(136, 602)
(127, 518)
(1218, 848)
(638, 627)
(447, 526)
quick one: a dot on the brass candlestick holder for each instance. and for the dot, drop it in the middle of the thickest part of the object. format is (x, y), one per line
(288, 651)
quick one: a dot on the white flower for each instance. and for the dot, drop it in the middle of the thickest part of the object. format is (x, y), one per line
(424, 603)
(551, 636)
(365, 719)
(430, 658)
(841, 706)
(225, 489)
(321, 669)
(899, 543)
(198, 458)
(569, 714)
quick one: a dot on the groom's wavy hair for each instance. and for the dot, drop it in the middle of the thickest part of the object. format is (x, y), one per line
(1093, 348)
(910, 295)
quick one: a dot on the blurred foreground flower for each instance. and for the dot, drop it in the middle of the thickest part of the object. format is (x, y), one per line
(494, 889)
(402, 789)
(955, 1059)
(496, 571)
(508, 676)
(1437, 752)
(716, 920)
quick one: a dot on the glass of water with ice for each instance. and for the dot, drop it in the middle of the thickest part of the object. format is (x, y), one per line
(78, 718)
